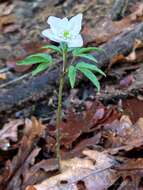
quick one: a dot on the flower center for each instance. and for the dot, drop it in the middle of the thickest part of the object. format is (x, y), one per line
(66, 34)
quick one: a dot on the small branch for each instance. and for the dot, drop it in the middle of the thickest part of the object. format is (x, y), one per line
(15, 80)
(4, 70)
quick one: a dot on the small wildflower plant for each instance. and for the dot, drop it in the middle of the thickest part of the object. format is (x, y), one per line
(66, 32)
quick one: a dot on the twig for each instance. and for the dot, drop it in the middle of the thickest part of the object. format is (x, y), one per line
(4, 70)
(15, 80)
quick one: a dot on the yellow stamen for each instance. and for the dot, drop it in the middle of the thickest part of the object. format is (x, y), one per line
(66, 34)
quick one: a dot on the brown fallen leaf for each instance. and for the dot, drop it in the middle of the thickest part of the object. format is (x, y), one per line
(133, 107)
(19, 172)
(123, 135)
(131, 172)
(105, 29)
(9, 132)
(138, 14)
(75, 126)
(94, 171)
(6, 8)
(126, 81)
(135, 55)
(6, 20)
(3, 76)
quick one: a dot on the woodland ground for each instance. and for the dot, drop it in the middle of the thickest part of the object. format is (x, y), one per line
(102, 133)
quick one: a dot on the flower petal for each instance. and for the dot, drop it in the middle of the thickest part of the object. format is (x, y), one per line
(57, 25)
(54, 23)
(76, 24)
(76, 42)
(49, 34)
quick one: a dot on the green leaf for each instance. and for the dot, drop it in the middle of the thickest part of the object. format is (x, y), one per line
(40, 68)
(90, 67)
(52, 47)
(72, 75)
(88, 56)
(70, 49)
(36, 58)
(91, 77)
(78, 51)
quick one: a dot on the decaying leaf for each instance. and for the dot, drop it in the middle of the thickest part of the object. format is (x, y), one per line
(123, 135)
(6, 20)
(134, 56)
(132, 172)
(94, 171)
(6, 8)
(3, 76)
(21, 165)
(75, 126)
(9, 132)
(127, 81)
(138, 14)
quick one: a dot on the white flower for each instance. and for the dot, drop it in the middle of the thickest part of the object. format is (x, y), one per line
(64, 30)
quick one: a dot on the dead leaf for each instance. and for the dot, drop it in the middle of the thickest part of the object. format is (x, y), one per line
(134, 55)
(9, 132)
(105, 29)
(3, 76)
(133, 107)
(131, 171)
(20, 172)
(94, 171)
(6, 8)
(7, 20)
(122, 135)
(75, 126)
(138, 14)
(126, 81)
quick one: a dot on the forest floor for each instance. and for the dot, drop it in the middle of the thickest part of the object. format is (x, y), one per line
(102, 133)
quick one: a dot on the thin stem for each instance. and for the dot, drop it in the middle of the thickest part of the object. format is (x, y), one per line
(59, 110)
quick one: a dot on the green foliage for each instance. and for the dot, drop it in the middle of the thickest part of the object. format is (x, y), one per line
(87, 56)
(72, 75)
(53, 48)
(40, 68)
(78, 51)
(45, 60)
(36, 58)
(63, 47)
(90, 67)
(90, 75)
(70, 49)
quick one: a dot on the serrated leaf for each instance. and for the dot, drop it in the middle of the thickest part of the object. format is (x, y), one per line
(70, 49)
(78, 51)
(52, 47)
(90, 67)
(88, 56)
(90, 76)
(72, 75)
(40, 68)
(36, 58)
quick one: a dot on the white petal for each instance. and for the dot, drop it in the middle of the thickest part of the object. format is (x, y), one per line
(64, 25)
(54, 23)
(57, 25)
(76, 24)
(76, 42)
(49, 34)
(53, 20)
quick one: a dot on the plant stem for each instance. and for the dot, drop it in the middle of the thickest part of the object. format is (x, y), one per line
(59, 110)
